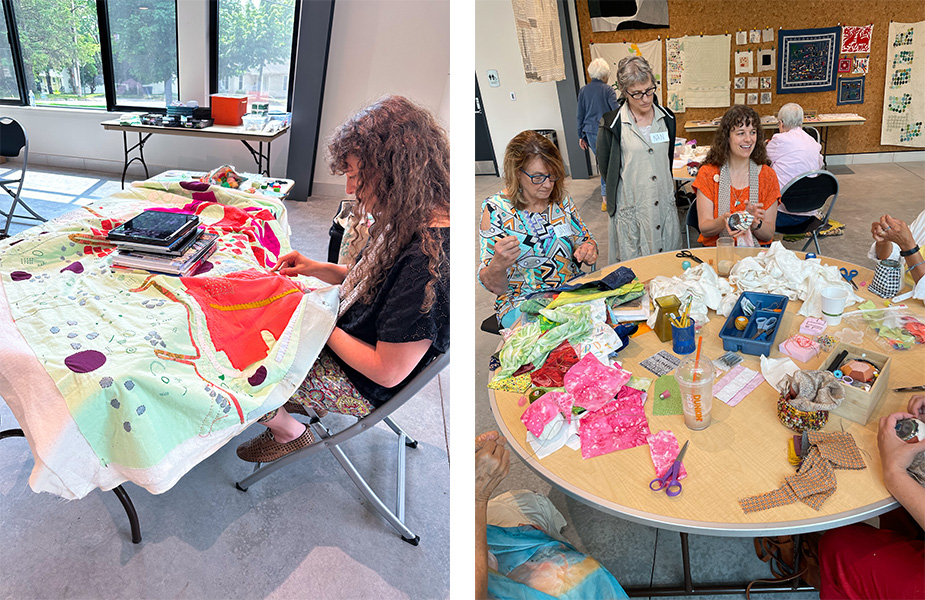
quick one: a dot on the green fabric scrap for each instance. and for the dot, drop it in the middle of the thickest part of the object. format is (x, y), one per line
(534, 305)
(583, 295)
(529, 344)
(670, 405)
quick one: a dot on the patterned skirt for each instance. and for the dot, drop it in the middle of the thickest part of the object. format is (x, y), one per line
(326, 387)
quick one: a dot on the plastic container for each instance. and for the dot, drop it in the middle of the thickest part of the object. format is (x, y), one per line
(766, 306)
(228, 110)
(695, 380)
(253, 122)
(682, 338)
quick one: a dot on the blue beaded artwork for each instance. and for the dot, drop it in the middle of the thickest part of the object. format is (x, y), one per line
(850, 90)
(807, 60)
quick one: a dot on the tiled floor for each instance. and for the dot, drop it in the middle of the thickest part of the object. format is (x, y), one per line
(641, 556)
(304, 531)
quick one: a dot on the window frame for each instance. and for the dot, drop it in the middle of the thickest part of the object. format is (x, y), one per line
(213, 49)
(109, 77)
(16, 52)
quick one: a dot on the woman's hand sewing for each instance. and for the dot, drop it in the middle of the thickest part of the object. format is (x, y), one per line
(293, 263)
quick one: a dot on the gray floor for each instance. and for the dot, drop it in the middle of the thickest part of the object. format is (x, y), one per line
(304, 531)
(637, 555)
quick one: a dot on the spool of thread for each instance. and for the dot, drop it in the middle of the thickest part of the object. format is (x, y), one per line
(741, 323)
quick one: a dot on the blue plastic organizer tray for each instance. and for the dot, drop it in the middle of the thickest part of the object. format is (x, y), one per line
(741, 341)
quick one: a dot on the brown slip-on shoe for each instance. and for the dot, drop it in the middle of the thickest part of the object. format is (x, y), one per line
(296, 408)
(264, 448)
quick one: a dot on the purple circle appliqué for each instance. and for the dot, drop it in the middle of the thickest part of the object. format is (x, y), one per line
(258, 377)
(86, 361)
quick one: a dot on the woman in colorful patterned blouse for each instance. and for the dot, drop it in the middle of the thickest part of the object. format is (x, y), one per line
(735, 177)
(531, 235)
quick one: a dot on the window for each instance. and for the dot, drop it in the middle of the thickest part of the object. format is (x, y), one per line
(255, 44)
(61, 52)
(144, 52)
(9, 87)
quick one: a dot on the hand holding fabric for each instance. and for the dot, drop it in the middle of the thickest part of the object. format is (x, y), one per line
(292, 264)
(507, 249)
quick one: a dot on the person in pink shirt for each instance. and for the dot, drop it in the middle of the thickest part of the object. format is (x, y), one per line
(792, 153)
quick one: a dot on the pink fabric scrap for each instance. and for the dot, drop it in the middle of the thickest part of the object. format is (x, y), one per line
(593, 384)
(663, 447)
(540, 413)
(610, 429)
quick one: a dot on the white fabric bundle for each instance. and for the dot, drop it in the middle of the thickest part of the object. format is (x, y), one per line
(706, 288)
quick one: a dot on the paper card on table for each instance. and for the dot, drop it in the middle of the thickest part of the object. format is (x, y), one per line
(736, 384)
(661, 363)
(664, 449)
(671, 405)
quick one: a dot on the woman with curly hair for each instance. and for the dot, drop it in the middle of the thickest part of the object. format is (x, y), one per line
(395, 297)
(735, 177)
(531, 236)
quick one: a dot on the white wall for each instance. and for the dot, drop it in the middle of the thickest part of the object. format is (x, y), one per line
(377, 48)
(536, 105)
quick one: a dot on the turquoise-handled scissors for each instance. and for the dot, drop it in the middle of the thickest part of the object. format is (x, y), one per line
(669, 481)
(849, 275)
(765, 324)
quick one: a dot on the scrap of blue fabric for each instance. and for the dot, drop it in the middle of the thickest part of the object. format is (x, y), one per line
(807, 60)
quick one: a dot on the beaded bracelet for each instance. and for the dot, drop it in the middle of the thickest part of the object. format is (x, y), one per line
(921, 262)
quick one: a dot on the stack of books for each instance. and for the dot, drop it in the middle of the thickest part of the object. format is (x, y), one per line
(162, 242)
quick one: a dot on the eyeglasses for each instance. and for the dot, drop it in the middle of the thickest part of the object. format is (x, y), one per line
(646, 93)
(540, 179)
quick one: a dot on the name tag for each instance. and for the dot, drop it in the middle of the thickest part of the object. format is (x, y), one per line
(658, 137)
(563, 230)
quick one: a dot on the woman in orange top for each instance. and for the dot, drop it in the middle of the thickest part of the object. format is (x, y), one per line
(736, 176)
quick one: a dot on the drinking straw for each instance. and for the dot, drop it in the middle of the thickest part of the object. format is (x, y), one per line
(697, 358)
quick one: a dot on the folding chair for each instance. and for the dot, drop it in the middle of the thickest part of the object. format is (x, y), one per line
(12, 141)
(692, 221)
(813, 132)
(807, 192)
(333, 441)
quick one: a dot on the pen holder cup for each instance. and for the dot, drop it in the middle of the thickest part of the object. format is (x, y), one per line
(682, 338)
(800, 420)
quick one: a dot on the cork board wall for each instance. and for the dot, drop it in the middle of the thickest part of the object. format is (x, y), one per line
(712, 17)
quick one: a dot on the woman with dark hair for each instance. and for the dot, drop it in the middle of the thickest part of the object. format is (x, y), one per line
(735, 177)
(394, 298)
(635, 149)
(531, 235)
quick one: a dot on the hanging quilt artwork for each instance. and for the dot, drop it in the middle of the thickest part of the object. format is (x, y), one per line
(904, 86)
(744, 62)
(860, 65)
(695, 78)
(850, 90)
(855, 40)
(844, 64)
(767, 60)
(613, 53)
(617, 15)
(537, 24)
(807, 60)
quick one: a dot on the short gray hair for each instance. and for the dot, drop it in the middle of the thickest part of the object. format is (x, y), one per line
(599, 69)
(632, 70)
(790, 115)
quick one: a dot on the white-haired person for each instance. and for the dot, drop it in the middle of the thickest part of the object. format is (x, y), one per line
(904, 243)
(792, 153)
(595, 99)
(635, 149)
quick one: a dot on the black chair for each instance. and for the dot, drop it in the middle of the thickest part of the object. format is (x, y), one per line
(692, 221)
(490, 325)
(812, 131)
(326, 440)
(809, 192)
(13, 141)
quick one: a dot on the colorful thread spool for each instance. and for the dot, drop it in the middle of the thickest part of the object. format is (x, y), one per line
(741, 323)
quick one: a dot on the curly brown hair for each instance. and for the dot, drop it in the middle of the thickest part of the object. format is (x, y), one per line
(737, 116)
(523, 148)
(403, 155)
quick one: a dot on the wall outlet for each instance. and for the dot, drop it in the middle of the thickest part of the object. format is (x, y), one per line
(513, 97)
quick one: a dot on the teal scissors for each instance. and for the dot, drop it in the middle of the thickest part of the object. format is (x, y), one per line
(669, 481)
(849, 276)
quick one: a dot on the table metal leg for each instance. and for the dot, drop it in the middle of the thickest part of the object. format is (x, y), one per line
(259, 157)
(141, 154)
(825, 144)
(119, 491)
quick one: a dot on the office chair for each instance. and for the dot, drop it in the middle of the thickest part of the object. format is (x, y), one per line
(333, 441)
(807, 192)
(13, 141)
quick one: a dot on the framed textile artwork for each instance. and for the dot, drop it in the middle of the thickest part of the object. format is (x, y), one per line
(807, 60)
(765, 97)
(752, 98)
(860, 65)
(739, 98)
(904, 86)
(844, 64)
(850, 90)
(856, 39)
(767, 59)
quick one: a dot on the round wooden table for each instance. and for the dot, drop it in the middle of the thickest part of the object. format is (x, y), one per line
(741, 454)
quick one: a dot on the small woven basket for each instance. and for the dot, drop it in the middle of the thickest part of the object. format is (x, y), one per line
(799, 420)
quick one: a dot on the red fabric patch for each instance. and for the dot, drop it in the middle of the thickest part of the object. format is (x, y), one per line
(558, 363)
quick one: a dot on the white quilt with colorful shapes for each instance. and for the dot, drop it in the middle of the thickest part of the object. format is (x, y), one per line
(119, 375)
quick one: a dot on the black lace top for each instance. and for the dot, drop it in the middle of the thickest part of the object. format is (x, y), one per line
(394, 316)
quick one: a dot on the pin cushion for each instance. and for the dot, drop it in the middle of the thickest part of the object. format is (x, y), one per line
(799, 420)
